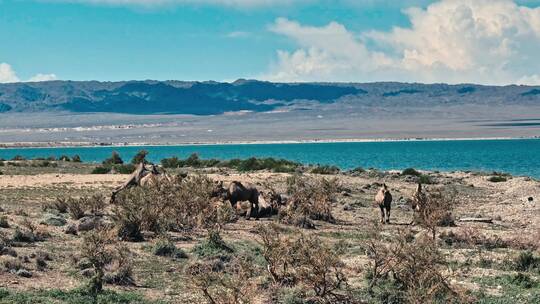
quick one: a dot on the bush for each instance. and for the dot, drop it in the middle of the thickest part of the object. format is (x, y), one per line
(310, 199)
(497, 179)
(527, 261)
(436, 211)
(165, 247)
(140, 157)
(123, 169)
(75, 207)
(76, 158)
(115, 159)
(415, 266)
(99, 249)
(4, 222)
(213, 245)
(23, 236)
(18, 157)
(425, 179)
(180, 204)
(411, 172)
(304, 261)
(224, 283)
(64, 158)
(101, 170)
(59, 205)
(325, 170)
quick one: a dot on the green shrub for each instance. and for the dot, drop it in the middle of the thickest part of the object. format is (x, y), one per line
(526, 261)
(411, 172)
(115, 159)
(124, 169)
(4, 222)
(497, 179)
(213, 245)
(425, 179)
(76, 158)
(23, 236)
(140, 157)
(101, 170)
(165, 247)
(76, 296)
(325, 170)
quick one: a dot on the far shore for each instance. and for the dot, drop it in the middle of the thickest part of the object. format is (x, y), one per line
(15, 145)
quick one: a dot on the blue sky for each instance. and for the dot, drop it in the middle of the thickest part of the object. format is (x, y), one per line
(281, 40)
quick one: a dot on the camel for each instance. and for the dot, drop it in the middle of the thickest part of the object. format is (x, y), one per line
(418, 201)
(144, 175)
(384, 199)
(237, 192)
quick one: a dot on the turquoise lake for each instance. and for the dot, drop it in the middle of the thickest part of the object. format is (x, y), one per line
(519, 156)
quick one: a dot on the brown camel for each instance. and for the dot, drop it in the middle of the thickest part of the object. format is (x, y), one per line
(418, 201)
(383, 198)
(144, 175)
(237, 192)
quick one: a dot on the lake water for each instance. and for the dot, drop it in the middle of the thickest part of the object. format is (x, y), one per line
(519, 156)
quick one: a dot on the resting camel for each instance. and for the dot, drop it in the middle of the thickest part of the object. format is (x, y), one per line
(384, 199)
(144, 175)
(418, 201)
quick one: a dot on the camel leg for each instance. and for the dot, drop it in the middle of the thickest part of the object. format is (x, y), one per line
(255, 208)
(382, 213)
(388, 215)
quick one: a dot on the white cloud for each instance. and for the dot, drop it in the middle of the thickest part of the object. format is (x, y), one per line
(481, 41)
(42, 77)
(8, 75)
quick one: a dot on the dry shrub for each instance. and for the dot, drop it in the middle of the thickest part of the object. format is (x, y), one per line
(304, 261)
(111, 263)
(310, 199)
(407, 271)
(470, 237)
(75, 207)
(230, 283)
(180, 205)
(60, 205)
(436, 211)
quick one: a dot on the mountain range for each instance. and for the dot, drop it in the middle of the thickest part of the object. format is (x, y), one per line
(213, 98)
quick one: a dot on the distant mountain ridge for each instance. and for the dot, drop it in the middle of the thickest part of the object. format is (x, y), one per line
(212, 98)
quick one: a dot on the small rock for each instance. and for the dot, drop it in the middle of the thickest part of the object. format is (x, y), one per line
(345, 193)
(53, 220)
(24, 273)
(347, 207)
(71, 229)
(530, 199)
(88, 223)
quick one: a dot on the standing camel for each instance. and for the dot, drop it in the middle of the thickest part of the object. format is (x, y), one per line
(384, 199)
(237, 192)
(418, 201)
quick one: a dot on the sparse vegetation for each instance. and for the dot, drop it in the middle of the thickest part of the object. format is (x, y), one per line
(310, 199)
(194, 248)
(497, 179)
(411, 172)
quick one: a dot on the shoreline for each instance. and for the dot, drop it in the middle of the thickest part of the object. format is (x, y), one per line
(45, 145)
